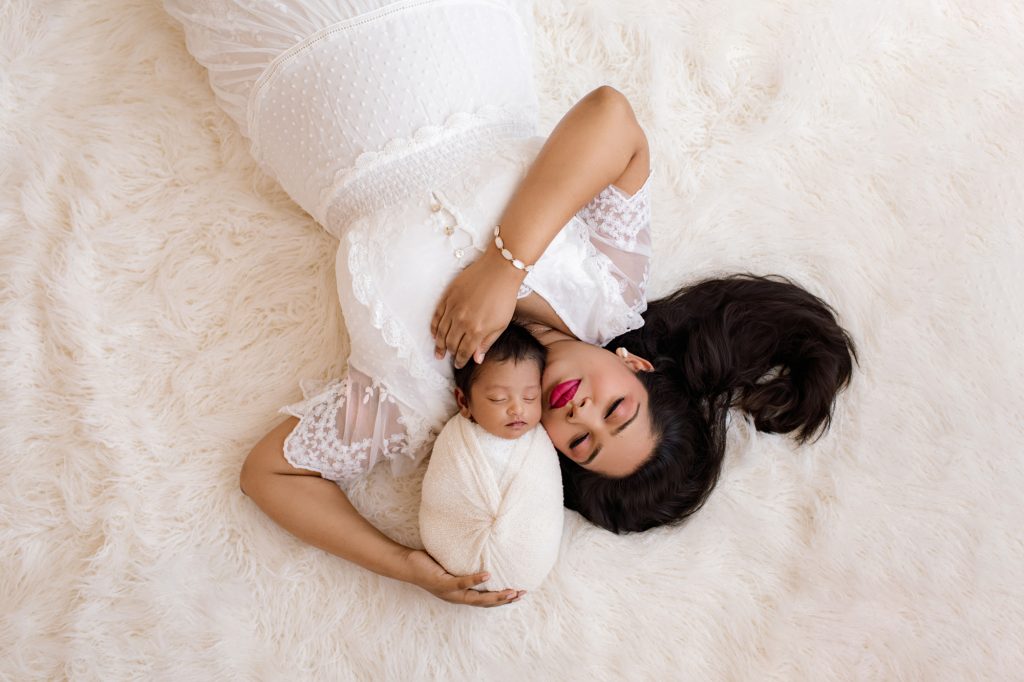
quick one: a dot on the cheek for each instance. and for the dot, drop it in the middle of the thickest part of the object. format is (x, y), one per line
(556, 432)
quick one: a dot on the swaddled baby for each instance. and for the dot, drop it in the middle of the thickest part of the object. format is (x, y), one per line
(492, 494)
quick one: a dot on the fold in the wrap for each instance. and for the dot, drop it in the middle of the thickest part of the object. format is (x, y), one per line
(471, 520)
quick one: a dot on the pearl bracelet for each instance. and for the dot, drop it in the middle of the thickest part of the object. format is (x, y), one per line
(506, 254)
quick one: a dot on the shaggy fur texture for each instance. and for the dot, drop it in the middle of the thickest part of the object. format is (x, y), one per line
(160, 298)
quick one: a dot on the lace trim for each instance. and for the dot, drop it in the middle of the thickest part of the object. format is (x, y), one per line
(406, 166)
(630, 316)
(363, 287)
(314, 443)
(525, 123)
(619, 216)
(419, 436)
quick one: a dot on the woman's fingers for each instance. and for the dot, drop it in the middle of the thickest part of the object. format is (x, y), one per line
(466, 582)
(463, 592)
(466, 349)
(444, 328)
(487, 599)
(435, 321)
(454, 340)
(485, 345)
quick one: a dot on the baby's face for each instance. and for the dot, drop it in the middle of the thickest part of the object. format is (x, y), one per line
(504, 398)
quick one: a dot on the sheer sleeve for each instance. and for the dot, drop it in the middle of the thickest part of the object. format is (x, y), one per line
(594, 273)
(619, 226)
(348, 425)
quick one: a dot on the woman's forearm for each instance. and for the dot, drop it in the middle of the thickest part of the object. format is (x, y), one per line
(593, 146)
(316, 510)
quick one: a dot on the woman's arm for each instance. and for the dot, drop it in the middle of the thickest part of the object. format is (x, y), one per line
(317, 512)
(597, 143)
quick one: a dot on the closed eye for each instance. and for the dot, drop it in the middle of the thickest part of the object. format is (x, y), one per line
(613, 407)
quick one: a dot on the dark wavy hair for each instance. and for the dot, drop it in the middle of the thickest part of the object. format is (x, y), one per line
(760, 344)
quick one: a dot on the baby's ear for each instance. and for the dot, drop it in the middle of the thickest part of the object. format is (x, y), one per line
(463, 403)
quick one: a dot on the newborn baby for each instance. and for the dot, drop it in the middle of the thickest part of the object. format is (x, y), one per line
(492, 494)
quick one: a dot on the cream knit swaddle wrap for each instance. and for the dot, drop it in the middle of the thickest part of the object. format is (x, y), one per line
(508, 525)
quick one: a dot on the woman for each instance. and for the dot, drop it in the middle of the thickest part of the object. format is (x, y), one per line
(409, 132)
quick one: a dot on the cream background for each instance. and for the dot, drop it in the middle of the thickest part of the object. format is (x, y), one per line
(160, 298)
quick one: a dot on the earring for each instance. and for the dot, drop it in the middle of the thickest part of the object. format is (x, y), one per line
(622, 352)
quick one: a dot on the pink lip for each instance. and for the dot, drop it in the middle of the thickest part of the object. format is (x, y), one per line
(563, 393)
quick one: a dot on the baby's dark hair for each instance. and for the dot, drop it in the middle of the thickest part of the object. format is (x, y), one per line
(515, 343)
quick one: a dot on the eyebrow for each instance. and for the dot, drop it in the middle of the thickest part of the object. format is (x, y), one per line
(614, 433)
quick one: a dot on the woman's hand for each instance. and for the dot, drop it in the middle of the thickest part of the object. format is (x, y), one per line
(431, 576)
(476, 308)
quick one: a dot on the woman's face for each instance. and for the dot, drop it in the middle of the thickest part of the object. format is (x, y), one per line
(595, 408)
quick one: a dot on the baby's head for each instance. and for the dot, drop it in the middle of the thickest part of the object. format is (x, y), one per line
(502, 394)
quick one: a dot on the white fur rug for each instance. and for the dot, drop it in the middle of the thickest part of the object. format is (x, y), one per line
(160, 298)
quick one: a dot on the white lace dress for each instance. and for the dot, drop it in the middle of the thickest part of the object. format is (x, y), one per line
(404, 129)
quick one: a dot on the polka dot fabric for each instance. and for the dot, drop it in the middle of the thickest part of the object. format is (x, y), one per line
(316, 84)
(342, 92)
(236, 40)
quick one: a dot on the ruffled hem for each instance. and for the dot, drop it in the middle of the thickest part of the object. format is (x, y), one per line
(431, 155)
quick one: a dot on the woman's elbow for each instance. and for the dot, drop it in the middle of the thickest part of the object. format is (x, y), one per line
(246, 475)
(616, 107)
(613, 101)
(266, 459)
(253, 470)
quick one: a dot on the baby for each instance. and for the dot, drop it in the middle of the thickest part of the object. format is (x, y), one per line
(502, 395)
(492, 494)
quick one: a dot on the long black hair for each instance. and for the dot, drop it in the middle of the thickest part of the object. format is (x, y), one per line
(760, 344)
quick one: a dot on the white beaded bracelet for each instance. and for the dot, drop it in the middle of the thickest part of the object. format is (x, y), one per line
(506, 254)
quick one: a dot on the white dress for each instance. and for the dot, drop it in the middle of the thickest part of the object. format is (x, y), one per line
(404, 129)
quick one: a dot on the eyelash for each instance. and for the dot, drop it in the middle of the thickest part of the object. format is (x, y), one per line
(614, 407)
(582, 438)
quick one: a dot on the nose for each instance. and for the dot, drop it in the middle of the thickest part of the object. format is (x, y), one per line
(576, 408)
